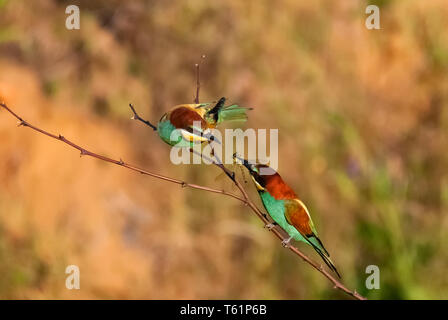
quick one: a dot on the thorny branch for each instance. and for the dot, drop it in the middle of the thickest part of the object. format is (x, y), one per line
(244, 198)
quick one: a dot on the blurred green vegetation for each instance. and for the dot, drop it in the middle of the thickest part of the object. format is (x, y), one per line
(363, 133)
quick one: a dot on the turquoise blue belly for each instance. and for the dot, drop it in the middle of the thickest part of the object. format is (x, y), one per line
(168, 134)
(276, 209)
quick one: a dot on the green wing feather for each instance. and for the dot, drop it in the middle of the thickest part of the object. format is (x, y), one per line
(313, 240)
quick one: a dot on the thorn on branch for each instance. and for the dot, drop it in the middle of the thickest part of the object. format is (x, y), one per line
(121, 162)
(183, 184)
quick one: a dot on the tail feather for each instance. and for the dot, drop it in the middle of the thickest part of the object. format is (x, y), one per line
(316, 241)
(328, 262)
(232, 113)
(317, 245)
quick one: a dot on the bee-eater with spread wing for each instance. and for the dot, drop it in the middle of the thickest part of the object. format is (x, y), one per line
(194, 121)
(286, 209)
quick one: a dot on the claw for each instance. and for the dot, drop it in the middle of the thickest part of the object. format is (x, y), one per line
(285, 243)
(270, 226)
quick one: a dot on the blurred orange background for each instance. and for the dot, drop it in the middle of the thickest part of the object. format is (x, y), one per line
(362, 118)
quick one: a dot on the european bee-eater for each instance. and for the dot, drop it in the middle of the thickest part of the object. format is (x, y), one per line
(286, 209)
(187, 117)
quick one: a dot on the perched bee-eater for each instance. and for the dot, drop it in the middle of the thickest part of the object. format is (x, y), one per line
(285, 208)
(194, 122)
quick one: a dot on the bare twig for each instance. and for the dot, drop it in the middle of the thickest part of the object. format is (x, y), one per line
(84, 152)
(137, 117)
(198, 83)
(244, 199)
